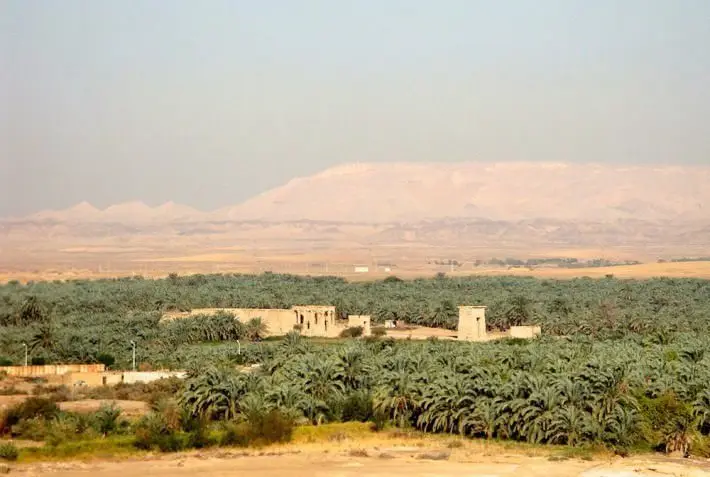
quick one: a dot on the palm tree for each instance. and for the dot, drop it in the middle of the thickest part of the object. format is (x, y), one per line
(443, 314)
(440, 404)
(518, 311)
(43, 337)
(397, 397)
(215, 393)
(322, 379)
(256, 329)
(567, 426)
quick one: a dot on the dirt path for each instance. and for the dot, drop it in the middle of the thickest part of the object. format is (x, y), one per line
(370, 463)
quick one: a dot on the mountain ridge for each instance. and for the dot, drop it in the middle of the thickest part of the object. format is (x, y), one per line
(410, 192)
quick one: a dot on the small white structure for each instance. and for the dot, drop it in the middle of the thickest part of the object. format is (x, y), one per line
(389, 324)
(132, 377)
(525, 332)
(361, 269)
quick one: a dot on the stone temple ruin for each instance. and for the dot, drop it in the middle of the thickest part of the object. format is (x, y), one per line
(310, 320)
(472, 326)
(323, 321)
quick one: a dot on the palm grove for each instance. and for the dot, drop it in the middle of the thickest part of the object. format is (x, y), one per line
(622, 363)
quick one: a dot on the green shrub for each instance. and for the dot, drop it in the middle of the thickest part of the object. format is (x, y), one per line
(149, 430)
(352, 332)
(5, 361)
(8, 451)
(379, 331)
(38, 407)
(172, 442)
(269, 428)
(668, 423)
(155, 431)
(39, 361)
(31, 429)
(234, 434)
(106, 419)
(198, 437)
(379, 420)
(106, 359)
(66, 428)
(34, 408)
(357, 407)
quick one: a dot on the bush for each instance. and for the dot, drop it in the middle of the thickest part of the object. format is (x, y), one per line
(198, 436)
(106, 359)
(379, 331)
(31, 429)
(38, 407)
(379, 420)
(269, 428)
(39, 361)
(34, 408)
(5, 361)
(106, 419)
(67, 428)
(234, 434)
(667, 422)
(150, 430)
(8, 451)
(352, 332)
(357, 407)
(156, 430)
(152, 393)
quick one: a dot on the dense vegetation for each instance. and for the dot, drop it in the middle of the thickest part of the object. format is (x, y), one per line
(622, 363)
(80, 320)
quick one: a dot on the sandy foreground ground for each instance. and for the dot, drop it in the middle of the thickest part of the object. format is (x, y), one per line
(372, 462)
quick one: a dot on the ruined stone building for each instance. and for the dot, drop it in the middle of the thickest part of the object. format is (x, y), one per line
(310, 320)
(323, 321)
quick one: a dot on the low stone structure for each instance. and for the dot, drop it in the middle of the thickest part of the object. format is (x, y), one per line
(524, 332)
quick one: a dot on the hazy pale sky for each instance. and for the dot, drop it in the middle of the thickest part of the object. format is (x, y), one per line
(210, 102)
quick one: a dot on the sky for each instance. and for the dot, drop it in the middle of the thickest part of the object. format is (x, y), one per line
(209, 103)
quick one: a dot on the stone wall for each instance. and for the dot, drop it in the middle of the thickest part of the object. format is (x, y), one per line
(131, 377)
(51, 370)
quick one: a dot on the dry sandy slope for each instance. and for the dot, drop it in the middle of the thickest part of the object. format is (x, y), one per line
(378, 463)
